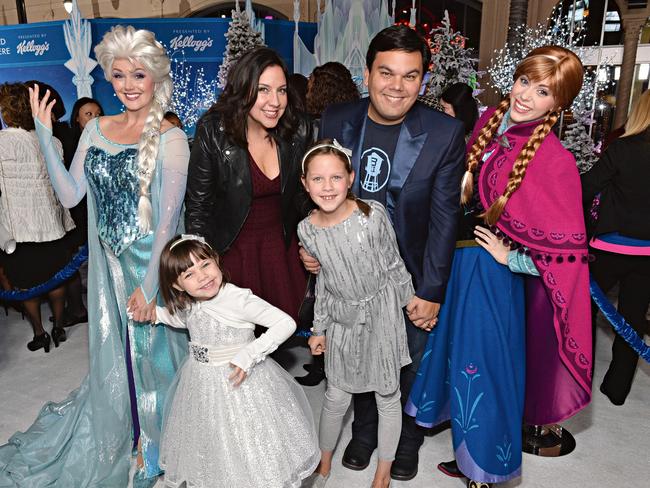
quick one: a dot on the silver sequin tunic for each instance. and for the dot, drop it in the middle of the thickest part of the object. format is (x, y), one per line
(360, 291)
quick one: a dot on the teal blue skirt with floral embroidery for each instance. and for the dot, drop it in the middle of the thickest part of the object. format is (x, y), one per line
(473, 369)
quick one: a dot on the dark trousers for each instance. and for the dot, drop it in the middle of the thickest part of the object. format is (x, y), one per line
(632, 273)
(366, 418)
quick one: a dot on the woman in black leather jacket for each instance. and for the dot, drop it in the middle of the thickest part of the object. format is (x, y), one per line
(244, 180)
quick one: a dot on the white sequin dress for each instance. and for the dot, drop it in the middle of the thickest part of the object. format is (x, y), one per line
(258, 435)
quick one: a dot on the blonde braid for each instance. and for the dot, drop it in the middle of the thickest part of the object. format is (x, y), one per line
(482, 140)
(519, 168)
(148, 150)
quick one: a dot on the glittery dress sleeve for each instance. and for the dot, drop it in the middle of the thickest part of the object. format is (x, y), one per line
(175, 156)
(323, 298)
(70, 186)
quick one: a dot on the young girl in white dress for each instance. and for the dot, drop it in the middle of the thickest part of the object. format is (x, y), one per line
(236, 419)
(361, 289)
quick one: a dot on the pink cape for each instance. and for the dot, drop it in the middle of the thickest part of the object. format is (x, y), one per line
(545, 215)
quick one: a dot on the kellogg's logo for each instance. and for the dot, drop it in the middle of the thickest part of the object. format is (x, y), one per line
(182, 42)
(32, 47)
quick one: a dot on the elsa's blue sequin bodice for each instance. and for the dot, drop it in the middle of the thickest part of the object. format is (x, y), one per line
(114, 181)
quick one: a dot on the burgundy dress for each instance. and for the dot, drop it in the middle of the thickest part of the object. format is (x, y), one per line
(258, 258)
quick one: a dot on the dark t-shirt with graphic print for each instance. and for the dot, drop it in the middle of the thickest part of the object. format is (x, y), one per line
(377, 160)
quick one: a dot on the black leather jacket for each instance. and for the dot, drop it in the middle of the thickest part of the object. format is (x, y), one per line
(219, 186)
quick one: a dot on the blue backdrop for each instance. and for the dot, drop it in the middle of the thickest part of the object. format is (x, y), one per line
(196, 47)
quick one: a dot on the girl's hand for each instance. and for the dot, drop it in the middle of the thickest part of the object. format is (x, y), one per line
(237, 376)
(41, 109)
(423, 313)
(317, 345)
(140, 310)
(492, 244)
(310, 263)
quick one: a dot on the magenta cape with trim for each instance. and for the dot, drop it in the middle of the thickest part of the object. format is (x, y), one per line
(545, 215)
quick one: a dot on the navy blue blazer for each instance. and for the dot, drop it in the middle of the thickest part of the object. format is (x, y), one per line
(423, 196)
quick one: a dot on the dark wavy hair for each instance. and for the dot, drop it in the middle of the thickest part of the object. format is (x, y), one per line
(399, 38)
(240, 94)
(329, 84)
(459, 96)
(74, 124)
(14, 106)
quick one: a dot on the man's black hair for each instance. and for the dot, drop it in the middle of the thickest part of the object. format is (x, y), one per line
(399, 38)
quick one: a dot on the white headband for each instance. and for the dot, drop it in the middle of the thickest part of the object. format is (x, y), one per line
(334, 145)
(189, 237)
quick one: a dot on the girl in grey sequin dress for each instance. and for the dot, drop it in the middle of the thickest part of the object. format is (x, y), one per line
(361, 289)
(236, 419)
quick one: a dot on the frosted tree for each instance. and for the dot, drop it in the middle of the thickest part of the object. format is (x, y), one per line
(577, 140)
(451, 61)
(194, 92)
(241, 38)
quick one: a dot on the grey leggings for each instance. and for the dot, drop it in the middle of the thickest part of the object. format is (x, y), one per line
(336, 405)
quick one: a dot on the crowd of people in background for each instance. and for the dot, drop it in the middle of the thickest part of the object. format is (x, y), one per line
(428, 254)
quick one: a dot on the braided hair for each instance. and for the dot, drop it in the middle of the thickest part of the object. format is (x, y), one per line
(564, 72)
(125, 42)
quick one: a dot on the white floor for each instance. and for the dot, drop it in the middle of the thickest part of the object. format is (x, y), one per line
(613, 443)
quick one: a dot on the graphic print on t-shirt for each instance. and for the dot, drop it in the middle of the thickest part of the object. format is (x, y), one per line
(375, 171)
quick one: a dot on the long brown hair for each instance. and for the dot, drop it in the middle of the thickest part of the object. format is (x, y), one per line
(174, 261)
(240, 94)
(327, 147)
(564, 72)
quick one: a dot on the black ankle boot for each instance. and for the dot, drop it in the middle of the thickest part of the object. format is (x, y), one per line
(405, 465)
(315, 376)
(42, 340)
(58, 335)
(356, 456)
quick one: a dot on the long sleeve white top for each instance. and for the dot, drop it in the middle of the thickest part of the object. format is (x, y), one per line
(239, 308)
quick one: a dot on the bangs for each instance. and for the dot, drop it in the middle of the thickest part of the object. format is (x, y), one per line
(180, 258)
(559, 66)
(538, 68)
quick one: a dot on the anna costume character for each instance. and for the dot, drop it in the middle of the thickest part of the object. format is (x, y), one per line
(513, 343)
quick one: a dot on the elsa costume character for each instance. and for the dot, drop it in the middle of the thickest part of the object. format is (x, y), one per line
(107, 432)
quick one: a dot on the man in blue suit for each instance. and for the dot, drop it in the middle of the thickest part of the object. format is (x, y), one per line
(411, 159)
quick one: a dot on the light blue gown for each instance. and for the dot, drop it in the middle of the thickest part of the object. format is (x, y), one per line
(87, 440)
